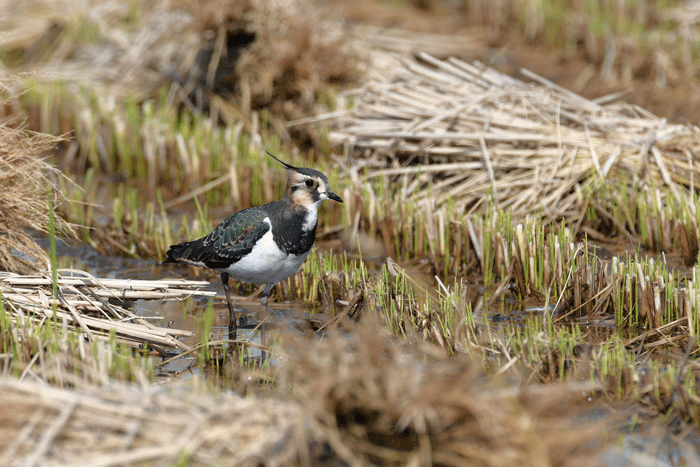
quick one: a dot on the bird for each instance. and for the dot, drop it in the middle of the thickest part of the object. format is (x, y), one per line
(263, 244)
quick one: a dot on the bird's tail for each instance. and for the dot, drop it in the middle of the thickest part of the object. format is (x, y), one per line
(183, 252)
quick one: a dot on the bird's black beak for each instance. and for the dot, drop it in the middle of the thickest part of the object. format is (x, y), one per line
(334, 197)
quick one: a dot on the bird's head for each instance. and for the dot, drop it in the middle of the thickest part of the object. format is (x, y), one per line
(307, 187)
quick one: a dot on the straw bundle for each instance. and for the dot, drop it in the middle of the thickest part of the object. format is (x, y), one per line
(121, 425)
(26, 185)
(359, 399)
(97, 306)
(450, 130)
(382, 402)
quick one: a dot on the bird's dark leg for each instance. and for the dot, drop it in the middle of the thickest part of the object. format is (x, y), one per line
(265, 296)
(263, 305)
(232, 328)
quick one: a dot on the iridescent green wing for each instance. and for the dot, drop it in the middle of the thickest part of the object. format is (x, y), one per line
(234, 238)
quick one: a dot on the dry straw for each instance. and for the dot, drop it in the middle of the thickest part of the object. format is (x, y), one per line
(122, 425)
(360, 399)
(27, 182)
(97, 307)
(450, 130)
(132, 49)
(383, 403)
(86, 43)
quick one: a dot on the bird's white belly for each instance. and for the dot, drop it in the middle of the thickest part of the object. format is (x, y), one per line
(266, 263)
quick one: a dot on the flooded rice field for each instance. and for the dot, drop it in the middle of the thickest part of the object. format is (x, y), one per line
(511, 279)
(207, 318)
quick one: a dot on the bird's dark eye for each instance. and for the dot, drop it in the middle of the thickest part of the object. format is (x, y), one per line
(309, 182)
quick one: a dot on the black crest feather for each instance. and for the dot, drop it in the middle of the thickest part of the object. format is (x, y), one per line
(290, 167)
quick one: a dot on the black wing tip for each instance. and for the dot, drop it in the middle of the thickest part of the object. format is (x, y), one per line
(288, 166)
(179, 253)
(171, 255)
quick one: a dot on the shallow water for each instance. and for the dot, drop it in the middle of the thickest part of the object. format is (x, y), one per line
(191, 314)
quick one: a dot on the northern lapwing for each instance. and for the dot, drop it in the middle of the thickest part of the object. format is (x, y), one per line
(264, 244)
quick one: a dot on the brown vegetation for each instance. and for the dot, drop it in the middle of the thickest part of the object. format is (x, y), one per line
(446, 131)
(230, 58)
(359, 399)
(381, 402)
(27, 183)
(451, 163)
(96, 307)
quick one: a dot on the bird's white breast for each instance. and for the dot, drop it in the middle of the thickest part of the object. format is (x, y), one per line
(266, 263)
